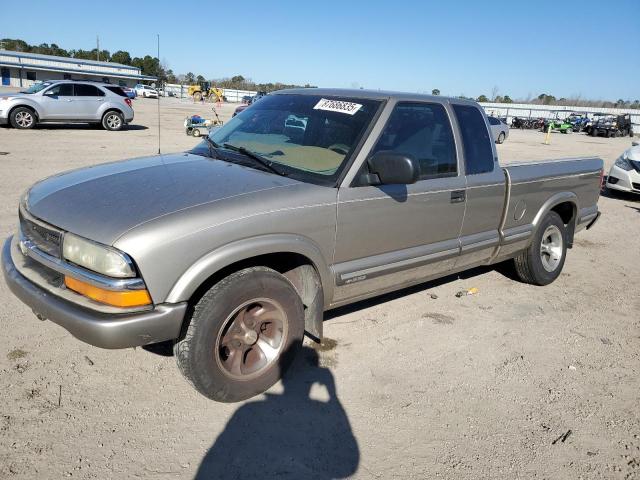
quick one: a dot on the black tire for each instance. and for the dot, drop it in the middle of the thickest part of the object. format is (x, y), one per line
(196, 132)
(200, 352)
(23, 118)
(529, 264)
(501, 138)
(594, 132)
(113, 121)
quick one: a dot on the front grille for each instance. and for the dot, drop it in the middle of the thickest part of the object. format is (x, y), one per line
(45, 238)
(636, 186)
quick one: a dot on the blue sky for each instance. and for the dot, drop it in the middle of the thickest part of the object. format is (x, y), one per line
(588, 48)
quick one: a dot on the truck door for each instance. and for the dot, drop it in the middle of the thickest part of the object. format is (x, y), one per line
(485, 183)
(57, 101)
(394, 235)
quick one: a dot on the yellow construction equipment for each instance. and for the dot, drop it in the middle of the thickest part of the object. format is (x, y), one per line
(205, 91)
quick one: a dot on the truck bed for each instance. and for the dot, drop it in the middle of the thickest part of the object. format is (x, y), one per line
(534, 187)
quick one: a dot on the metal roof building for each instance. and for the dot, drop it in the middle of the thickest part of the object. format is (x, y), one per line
(21, 69)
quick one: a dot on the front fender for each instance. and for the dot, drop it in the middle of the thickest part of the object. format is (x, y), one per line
(245, 249)
(26, 102)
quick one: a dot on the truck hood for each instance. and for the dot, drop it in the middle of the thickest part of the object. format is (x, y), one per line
(101, 203)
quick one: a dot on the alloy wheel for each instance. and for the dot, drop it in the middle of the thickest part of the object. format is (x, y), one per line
(251, 339)
(551, 248)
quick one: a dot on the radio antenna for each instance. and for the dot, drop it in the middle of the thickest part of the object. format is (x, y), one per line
(158, 94)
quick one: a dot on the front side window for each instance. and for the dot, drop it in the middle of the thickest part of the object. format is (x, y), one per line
(61, 90)
(494, 121)
(85, 90)
(478, 155)
(422, 131)
(308, 137)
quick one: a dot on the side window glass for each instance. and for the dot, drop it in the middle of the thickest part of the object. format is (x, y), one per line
(85, 90)
(61, 90)
(478, 155)
(423, 131)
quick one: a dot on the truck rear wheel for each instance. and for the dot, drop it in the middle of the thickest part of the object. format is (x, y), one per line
(242, 335)
(542, 262)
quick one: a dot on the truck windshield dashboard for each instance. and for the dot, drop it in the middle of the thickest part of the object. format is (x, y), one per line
(308, 137)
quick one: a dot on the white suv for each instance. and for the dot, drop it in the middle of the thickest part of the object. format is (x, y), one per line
(145, 91)
(67, 101)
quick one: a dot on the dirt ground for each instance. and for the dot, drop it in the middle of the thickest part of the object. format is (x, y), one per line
(514, 382)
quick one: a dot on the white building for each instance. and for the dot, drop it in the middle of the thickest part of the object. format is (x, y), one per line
(21, 69)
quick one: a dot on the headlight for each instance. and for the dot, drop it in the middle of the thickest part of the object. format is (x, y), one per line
(95, 257)
(623, 163)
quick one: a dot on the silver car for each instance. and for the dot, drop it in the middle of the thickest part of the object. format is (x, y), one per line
(499, 129)
(67, 101)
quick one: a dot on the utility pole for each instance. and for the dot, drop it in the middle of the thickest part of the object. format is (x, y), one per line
(98, 48)
(158, 73)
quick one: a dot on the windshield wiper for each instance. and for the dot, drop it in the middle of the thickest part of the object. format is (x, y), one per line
(211, 144)
(254, 156)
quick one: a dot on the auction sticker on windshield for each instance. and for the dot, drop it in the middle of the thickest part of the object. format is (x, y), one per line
(337, 106)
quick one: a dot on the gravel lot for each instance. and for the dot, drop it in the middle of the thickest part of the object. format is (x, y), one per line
(514, 382)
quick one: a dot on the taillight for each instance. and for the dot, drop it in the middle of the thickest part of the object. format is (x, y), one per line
(128, 101)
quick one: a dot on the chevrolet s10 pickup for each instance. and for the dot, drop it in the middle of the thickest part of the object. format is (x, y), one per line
(308, 200)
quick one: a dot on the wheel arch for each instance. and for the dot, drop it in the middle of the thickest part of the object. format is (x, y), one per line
(33, 108)
(564, 204)
(296, 257)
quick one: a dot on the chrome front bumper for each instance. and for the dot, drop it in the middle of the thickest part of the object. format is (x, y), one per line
(104, 330)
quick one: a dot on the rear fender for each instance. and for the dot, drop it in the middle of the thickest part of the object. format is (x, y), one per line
(557, 199)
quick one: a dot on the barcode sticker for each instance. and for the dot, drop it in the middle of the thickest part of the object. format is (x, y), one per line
(339, 106)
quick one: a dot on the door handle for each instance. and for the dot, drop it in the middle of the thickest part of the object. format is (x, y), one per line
(458, 196)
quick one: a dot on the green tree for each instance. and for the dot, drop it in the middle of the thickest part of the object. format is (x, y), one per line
(121, 57)
(200, 79)
(171, 78)
(482, 98)
(190, 78)
(435, 91)
(507, 99)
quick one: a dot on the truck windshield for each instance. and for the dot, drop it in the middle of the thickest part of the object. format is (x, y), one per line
(309, 137)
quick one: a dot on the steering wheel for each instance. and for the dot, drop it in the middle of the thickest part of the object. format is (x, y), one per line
(340, 148)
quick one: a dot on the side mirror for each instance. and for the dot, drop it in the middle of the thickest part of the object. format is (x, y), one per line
(394, 168)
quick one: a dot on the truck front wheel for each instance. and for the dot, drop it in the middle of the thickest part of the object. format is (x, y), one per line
(242, 335)
(542, 262)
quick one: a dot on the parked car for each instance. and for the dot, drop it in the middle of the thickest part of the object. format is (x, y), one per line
(244, 106)
(131, 93)
(235, 249)
(499, 129)
(67, 101)
(624, 174)
(145, 91)
(613, 126)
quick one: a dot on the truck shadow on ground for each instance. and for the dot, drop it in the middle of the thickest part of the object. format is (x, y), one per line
(288, 435)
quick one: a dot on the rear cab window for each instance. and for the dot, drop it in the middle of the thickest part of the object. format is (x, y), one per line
(476, 141)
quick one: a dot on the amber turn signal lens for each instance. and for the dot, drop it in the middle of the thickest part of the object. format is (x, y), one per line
(127, 298)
